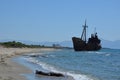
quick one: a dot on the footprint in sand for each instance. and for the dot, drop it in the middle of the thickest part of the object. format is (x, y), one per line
(0, 77)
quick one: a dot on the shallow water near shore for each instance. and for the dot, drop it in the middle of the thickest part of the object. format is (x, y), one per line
(85, 65)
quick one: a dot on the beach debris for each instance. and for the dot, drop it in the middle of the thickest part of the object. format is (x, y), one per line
(33, 55)
(49, 73)
(2, 58)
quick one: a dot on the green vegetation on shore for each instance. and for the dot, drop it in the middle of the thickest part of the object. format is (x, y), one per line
(14, 44)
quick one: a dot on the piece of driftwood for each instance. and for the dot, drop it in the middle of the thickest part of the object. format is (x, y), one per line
(49, 73)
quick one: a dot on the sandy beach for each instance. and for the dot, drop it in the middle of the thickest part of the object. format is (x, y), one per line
(10, 70)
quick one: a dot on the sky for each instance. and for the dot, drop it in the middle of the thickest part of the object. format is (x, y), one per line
(58, 20)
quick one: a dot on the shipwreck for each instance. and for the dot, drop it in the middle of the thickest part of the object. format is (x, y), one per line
(82, 44)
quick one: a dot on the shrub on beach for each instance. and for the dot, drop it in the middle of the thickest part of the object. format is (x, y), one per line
(13, 44)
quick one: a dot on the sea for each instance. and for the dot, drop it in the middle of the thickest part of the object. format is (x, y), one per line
(84, 65)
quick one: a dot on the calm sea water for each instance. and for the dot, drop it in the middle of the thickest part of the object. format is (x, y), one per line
(85, 65)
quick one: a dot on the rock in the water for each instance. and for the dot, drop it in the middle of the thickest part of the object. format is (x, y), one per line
(49, 74)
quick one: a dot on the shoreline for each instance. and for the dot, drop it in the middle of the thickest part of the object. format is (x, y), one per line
(11, 70)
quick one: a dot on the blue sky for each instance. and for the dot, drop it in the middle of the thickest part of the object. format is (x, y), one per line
(58, 20)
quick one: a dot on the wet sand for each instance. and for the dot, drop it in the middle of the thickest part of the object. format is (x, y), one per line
(11, 70)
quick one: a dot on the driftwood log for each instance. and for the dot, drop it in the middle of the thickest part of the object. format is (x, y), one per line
(49, 73)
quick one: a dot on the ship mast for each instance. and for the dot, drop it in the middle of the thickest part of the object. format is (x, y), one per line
(83, 36)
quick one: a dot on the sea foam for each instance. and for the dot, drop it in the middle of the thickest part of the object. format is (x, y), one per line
(53, 69)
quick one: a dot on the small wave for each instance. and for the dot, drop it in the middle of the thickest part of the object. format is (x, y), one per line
(103, 53)
(34, 54)
(47, 56)
(107, 54)
(79, 76)
(100, 52)
(95, 52)
(53, 69)
(52, 56)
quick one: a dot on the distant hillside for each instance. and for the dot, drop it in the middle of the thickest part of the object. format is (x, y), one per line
(104, 43)
(111, 44)
(63, 43)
